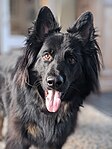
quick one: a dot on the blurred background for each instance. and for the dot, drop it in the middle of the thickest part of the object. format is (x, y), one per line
(17, 15)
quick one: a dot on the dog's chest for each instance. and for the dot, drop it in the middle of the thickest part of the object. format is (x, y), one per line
(50, 128)
(46, 127)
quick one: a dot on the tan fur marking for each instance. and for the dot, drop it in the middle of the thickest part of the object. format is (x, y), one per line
(66, 106)
(32, 129)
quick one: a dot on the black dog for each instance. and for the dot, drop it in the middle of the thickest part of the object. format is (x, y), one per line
(50, 81)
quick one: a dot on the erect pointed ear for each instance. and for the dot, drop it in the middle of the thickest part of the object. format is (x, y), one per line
(45, 22)
(83, 26)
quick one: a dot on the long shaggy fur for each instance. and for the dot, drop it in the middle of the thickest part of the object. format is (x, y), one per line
(50, 81)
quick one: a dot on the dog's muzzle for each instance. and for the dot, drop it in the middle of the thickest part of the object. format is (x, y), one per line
(54, 81)
(52, 94)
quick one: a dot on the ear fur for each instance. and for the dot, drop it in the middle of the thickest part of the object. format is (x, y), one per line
(83, 27)
(43, 25)
(45, 22)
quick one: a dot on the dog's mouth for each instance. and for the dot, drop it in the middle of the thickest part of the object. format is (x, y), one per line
(52, 100)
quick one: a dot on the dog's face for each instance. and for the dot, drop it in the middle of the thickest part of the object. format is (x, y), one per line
(58, 67)
(54, 63)
(62, 62)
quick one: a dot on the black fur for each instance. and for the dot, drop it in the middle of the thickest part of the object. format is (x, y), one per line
(65, 63)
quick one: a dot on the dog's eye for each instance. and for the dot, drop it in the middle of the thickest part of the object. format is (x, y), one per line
(47, 57)
(71, 60)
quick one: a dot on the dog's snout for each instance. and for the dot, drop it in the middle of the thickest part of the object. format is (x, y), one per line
(56, 81)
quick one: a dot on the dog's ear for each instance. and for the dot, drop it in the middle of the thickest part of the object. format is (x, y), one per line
(83, 27)
(83, 30)
(43, 25)
(45, 22)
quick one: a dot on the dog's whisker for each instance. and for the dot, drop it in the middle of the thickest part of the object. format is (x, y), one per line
(37, 82)
(29, 84)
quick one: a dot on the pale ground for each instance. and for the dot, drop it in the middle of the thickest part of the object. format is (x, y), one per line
(94, 131)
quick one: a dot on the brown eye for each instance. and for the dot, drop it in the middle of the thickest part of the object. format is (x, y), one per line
(47, 57)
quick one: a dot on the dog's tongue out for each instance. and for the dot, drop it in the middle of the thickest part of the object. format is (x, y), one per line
(53, 100)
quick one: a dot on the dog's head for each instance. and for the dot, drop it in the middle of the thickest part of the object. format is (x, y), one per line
(61, 65)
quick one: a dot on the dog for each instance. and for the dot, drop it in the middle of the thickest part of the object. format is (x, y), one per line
(49, 82)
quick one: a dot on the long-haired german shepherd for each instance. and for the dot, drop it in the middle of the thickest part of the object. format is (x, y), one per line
(49, 82)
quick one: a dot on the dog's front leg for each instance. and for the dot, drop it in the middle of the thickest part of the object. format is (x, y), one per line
(15, 136)
(16, 141)
(15, 144)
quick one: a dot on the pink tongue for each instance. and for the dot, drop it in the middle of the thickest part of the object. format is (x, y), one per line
(53, 100)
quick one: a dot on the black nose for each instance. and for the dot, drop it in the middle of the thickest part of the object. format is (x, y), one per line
(56, 81)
